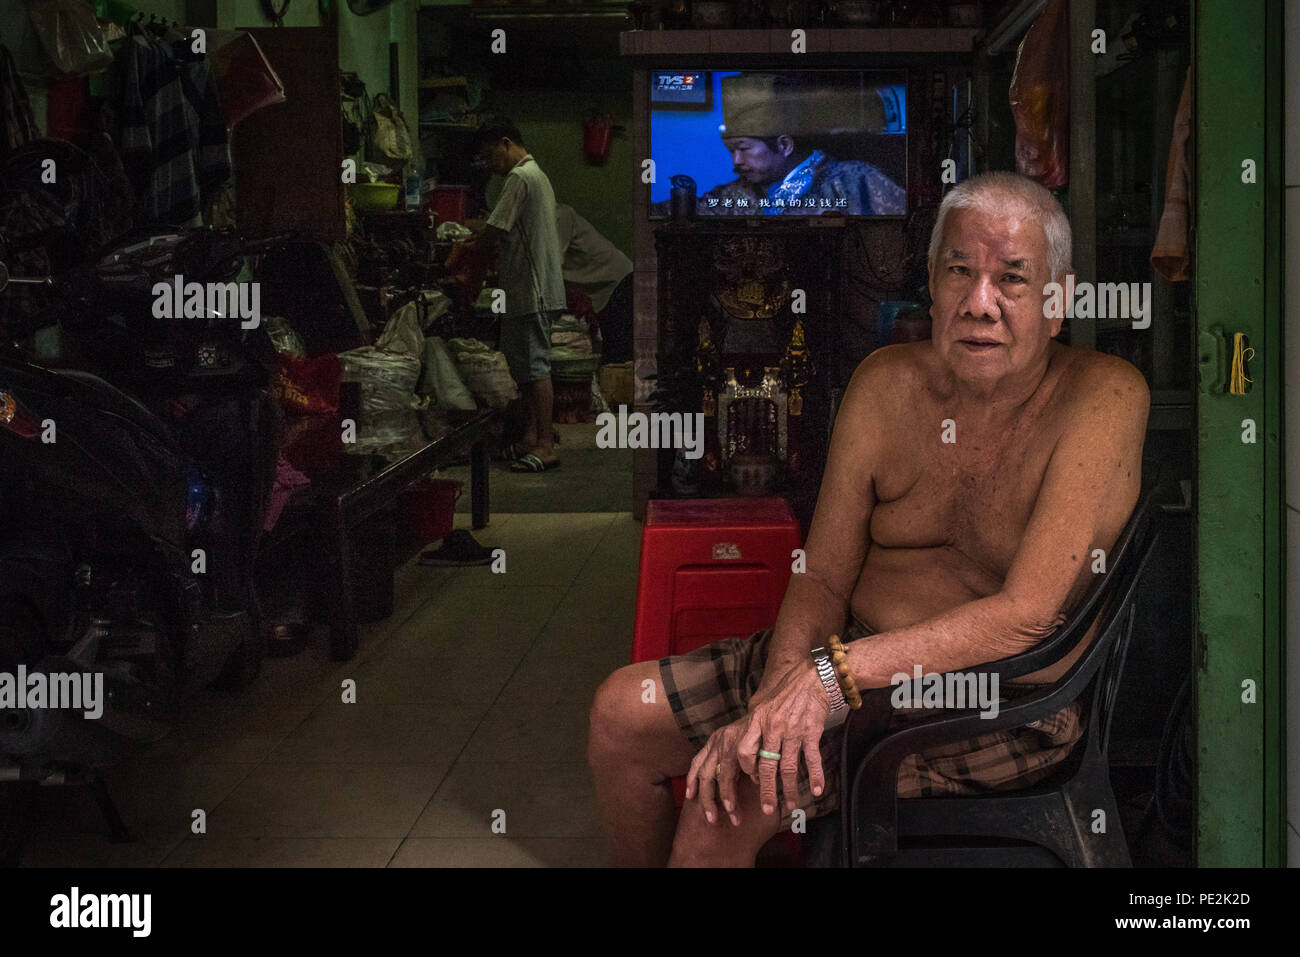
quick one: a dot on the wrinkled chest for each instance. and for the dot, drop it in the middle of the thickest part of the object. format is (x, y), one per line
(976, 501)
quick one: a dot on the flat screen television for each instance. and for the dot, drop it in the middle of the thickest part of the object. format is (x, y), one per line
(780, 142)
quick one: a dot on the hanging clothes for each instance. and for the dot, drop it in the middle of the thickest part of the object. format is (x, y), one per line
(1170, 256)
(19, 122)
(173, 134)
(118, 204)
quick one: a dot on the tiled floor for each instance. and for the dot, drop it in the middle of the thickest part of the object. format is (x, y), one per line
(471, 705)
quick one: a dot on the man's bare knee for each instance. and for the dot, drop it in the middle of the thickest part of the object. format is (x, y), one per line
(616, 710)
(630, 718)
(701, 844)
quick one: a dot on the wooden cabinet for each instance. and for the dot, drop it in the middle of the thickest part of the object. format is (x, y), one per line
(288, 157)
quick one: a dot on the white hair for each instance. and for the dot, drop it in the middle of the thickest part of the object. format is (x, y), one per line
(1003, 192)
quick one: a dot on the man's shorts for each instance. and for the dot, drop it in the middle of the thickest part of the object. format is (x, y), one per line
(526, 343)
(710, 688)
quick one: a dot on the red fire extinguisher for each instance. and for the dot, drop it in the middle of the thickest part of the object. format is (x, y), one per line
(597, 134)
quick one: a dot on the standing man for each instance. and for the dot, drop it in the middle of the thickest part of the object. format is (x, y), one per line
(521, 234)
(604, 273)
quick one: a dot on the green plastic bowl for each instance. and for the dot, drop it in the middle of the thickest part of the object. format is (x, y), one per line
(367, 196)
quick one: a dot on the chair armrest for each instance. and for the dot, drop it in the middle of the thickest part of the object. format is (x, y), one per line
(950, 725)
(874, 809)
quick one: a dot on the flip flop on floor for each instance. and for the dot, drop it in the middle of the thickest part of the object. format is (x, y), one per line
(511, 451)
(458, 549)
(531, 463)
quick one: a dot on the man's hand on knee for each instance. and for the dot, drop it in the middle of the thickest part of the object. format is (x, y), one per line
(714, 771)
(782, 728)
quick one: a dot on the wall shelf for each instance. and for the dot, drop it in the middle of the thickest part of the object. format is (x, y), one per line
(444, 83)
(890, 40)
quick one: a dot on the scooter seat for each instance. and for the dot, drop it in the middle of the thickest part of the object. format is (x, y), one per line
(117, 402)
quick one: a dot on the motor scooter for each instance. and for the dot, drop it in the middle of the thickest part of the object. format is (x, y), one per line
(131, 505)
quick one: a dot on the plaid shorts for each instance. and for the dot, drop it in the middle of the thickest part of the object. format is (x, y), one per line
(710, 688)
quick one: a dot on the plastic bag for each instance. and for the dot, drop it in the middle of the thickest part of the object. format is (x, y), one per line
(461, 347)
(311, 443)
(1040, 99)
(356, 110)
(488, 377)
(402, 333)
(441, 379)
(284, 338)
(308, 386)
(570, 338)
(598, 402)
(388, 139)
(570, 345)
(72, 36)
(568, 323)
(449, 230)
(435, 304)
(395, 433)
(387, 378)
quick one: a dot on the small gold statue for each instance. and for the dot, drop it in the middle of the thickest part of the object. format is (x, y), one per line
(706, 366)
(796, 368)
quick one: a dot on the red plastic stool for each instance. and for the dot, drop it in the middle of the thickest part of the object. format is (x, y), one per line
(710, 569)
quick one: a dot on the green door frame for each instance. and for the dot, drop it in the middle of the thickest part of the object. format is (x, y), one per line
(1240, 523)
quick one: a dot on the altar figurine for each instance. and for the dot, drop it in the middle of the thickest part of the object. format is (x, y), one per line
(796, 368)
(707, 366)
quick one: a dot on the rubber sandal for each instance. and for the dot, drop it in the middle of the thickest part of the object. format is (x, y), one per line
(458, 549)
(531, 463)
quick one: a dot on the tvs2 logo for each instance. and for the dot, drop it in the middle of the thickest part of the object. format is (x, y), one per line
(678, 82)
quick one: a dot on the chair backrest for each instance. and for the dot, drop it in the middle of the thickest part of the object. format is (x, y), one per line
(1106, 693)
(1114, 598)
(1119, 596)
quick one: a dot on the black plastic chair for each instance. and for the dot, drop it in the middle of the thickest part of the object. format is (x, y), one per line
(1050, 823)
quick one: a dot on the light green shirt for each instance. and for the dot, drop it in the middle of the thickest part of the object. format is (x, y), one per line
(529, 269)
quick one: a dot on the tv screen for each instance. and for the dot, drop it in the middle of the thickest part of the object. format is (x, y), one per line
(779, 143)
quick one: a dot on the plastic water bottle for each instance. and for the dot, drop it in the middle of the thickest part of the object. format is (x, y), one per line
(412, 189)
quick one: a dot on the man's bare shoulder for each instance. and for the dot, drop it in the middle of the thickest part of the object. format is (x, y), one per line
(898, 377)
(898, 368)
(891, 386)
(1090, 377)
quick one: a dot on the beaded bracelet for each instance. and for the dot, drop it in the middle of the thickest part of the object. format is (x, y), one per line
(843, 674)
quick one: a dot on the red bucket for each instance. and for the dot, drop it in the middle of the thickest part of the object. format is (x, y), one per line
(430, 508)
(450, 204)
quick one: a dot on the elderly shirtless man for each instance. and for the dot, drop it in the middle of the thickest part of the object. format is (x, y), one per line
(943, 554)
